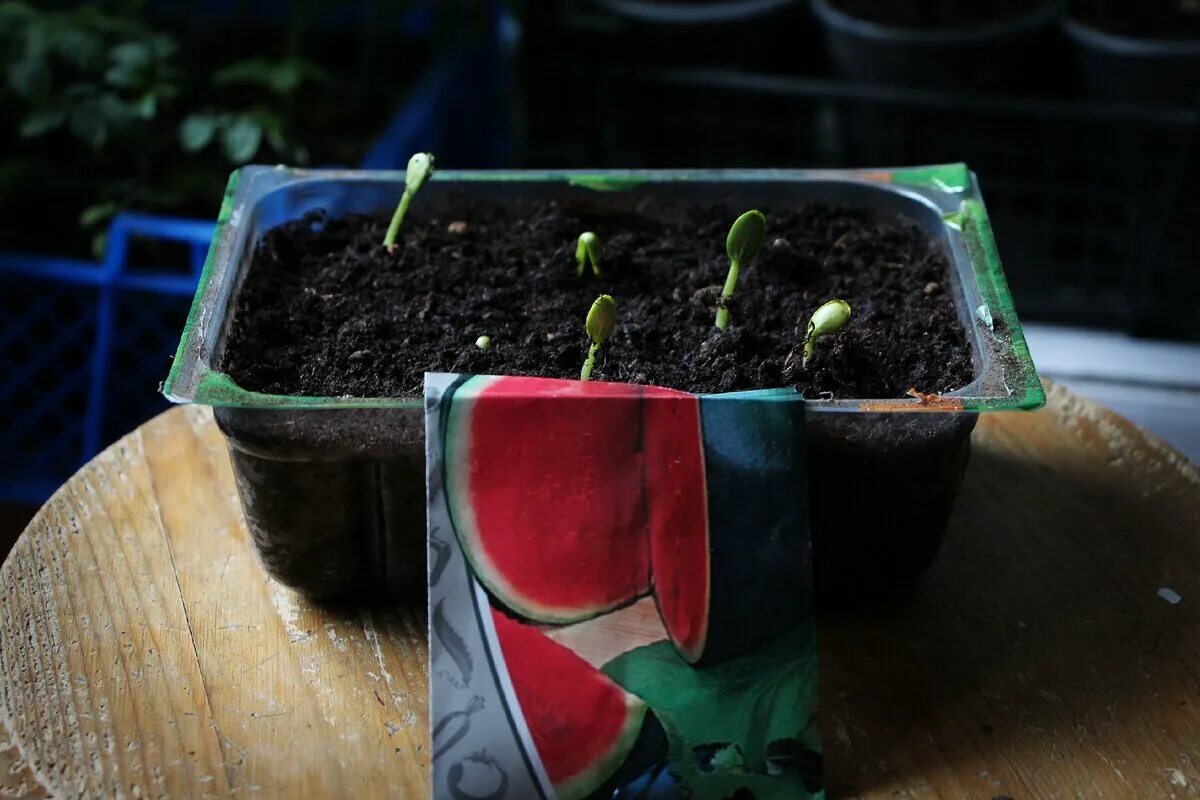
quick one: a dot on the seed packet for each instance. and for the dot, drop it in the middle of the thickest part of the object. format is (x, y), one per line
(620, 592)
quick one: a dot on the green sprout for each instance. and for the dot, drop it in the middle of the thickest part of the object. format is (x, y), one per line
(420, 167)
(483, 342)
(601, 322)
(587, 250)
(742, 245)
(829, 318)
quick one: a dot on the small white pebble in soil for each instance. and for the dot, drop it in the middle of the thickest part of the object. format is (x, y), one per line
(458, 226)
(1170, 595)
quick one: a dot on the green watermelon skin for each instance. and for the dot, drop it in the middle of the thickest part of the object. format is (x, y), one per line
(728, 581)
(544, 484)
(761, 552)
(588, 732)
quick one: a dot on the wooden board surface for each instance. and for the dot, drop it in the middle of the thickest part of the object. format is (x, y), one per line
(143, 653)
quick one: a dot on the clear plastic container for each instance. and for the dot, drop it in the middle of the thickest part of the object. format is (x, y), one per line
(333, 488)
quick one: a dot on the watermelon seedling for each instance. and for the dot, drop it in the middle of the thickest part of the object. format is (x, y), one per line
(600, 324)
(830, 318)
(741, 245)
(420, 167)
(588, 732)
(483, 342)
(587, 252)
(542, 495)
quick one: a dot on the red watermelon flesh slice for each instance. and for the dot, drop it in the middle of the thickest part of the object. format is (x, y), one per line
(544, 484)
(583, 724)
(677, 499)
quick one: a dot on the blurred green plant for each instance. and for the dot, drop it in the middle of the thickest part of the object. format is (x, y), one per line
(96, 75)
(100, 76)
(241, 133)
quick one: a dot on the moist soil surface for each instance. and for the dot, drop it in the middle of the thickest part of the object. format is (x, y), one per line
(1149, 19)
(937, 14)
(325, 310)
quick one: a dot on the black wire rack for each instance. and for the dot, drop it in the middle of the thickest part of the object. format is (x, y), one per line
(1096, 205)
(1081, 195)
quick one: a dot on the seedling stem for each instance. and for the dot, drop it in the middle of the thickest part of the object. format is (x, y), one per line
(741, 245)
(601, 322)
(420, 167)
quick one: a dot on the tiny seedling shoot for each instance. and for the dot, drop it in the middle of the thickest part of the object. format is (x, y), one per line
(601, 322)
(483, 342)
(742, 245)
(829, 318)
(587, 251)
(420, 167)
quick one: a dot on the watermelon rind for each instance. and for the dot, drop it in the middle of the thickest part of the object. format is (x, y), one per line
(670, 451)
(759, 564)
(462, 516)
(604, 754)
(583, 784)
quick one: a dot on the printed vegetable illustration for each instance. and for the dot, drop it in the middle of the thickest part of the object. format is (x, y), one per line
(453, 644)
(482, 763)
(441, 556)
(454, 726)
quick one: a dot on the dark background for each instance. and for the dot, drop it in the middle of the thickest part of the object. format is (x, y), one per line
(1081, 124)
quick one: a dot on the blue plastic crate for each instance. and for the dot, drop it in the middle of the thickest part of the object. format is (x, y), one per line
(45, 358)
(82, 348)
(83, 345)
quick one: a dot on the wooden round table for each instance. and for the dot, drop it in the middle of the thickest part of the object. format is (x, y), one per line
(1053, 650)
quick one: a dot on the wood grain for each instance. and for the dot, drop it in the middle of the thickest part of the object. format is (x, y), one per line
(1037, 658)
(144, 653)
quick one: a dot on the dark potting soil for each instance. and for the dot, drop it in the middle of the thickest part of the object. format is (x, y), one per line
(1149, 19)
(326, 311)
(937, 14)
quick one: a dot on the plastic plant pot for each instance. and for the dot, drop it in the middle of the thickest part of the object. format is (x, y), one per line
(756, 34)
(1128, 69)
(995, 55)
(333, 488)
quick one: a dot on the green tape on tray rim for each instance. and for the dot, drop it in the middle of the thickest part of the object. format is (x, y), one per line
(218, 389)
(949, 178)
(235, 178)
(606, 183)
(993, 288)
(600, 181)
(215, 388)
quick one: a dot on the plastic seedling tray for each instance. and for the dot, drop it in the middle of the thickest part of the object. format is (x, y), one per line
(333, 488)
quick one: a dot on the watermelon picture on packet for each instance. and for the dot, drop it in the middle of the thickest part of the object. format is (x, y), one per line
(620, 592)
